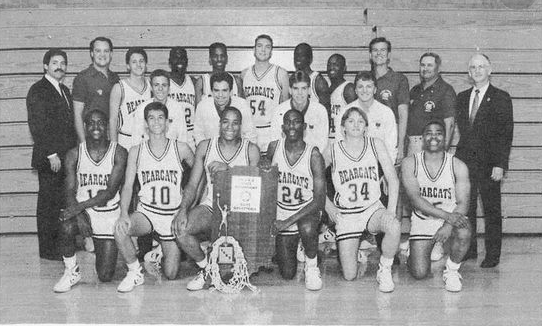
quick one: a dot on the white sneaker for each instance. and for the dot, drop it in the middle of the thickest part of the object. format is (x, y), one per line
(70, 278)
(133, 278)
(154, 257)
(198, 282)
(362, 256)
(300, 252)
(438, 252)
(313, 280)
(384, 279)
(452, 280)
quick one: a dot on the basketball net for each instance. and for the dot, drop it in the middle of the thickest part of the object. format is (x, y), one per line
(226, 250)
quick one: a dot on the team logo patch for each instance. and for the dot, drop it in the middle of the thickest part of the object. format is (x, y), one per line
(429, 106)
(385, 95)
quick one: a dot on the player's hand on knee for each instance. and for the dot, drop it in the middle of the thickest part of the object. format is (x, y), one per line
(69, 212)
(179, 223)
(458, 220)
(123, 225)
(444, 233)
(85, 229)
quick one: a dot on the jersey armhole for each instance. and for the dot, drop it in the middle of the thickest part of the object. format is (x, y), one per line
(277, 79)
(415, 156)
(179, 159)
(121, 93)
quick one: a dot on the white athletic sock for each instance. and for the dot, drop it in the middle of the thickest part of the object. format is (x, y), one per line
(450, 265)
(69, 262)
(386, 262)
(203, 263)
(134, 266)
(311, 262)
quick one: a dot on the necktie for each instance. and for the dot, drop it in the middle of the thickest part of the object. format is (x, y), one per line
(65, 97)
(474, 107)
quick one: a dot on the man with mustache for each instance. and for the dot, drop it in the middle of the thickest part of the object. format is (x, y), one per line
(50, 119)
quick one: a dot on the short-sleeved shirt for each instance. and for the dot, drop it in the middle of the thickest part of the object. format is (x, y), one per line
(435, 102)
(93, 88)
(392, 90)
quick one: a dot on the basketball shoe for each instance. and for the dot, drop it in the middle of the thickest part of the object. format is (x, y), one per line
(384, 279)
(71, 277)
(133, 278)
(313, 279)
(452, 280)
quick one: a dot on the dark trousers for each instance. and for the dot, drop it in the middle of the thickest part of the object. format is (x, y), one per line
(50, 201)
(490, 191)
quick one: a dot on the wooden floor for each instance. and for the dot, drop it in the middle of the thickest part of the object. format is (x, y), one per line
(510, 294)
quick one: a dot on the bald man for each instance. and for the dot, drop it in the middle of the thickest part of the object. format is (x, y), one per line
(486, 124)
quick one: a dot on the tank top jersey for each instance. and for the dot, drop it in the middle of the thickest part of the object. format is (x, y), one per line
(356, 180)
(185, 93)
(206, 82)
(263, 95)
(337, 102)
(160, 179)
(440, 190)
(130, 99)
(295, 184)
(93, 176)
(213, 153)
(313, 96)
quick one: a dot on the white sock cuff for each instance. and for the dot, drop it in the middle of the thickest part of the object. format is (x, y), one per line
(70, 262)
(311, 262)
(451, 265)
(135, 266)
(386, 262)
(202, 263)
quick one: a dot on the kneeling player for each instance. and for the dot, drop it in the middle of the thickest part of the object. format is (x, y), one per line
(438, 187)
(94, 172)
(356, 206)
(212, 155)
(300, 198)
(157, 164)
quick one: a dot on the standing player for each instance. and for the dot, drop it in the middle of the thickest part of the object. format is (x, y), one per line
(342, 91)
(319, 90)
(182, 88)
(218, 59)
(126, 95)
(209, 110)
(356, 206)
(300, 199)
(438, 186)
(212, 155)
(157, 163)
(314, 113)
(177, 128)
(265, 85)
(94, 172)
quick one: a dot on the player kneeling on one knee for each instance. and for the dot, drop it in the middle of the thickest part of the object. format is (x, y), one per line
(300, 198)
(157, 163)
(356, 206)
(212, 155)
(438, 187)
(94, 172)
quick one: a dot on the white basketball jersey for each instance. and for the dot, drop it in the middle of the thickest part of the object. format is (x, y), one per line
(185, 93)
(313, 96)
(356, 180)
(262, 94)
(160, 179)
(295, 186)
(438, 190)
(240, 158)
(93, 176)
(337, 102)
(130, 99)
(207, 90)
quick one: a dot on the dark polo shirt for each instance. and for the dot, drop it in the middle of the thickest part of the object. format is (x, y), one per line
(93, 88)
(392, 90)
(435, 102)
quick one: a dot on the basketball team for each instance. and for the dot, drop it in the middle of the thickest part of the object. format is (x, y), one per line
(121, 159)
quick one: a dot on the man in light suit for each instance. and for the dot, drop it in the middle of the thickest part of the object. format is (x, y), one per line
(486, 124)
(50, 118)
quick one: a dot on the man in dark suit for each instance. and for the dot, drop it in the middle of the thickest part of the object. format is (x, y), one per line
(486, 124)
(50, 118)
